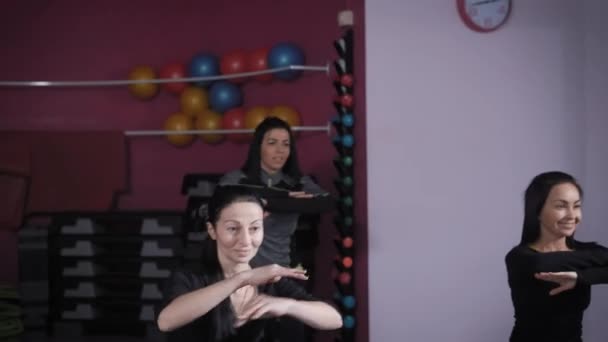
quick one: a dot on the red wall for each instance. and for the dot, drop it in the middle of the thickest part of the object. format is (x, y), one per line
(102, 40)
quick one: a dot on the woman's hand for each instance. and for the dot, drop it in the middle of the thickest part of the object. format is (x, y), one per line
(566, 280)
(300, 194)
(264, 306)
(271, 274)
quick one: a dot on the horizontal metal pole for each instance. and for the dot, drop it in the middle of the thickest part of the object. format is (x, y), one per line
(98, 83)
(220, 131)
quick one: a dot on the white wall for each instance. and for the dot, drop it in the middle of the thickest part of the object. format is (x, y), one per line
(457, 124)
(596, 134)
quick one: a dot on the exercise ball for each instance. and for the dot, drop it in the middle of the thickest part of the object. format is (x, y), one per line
(235, 119)
(224, 96)
(258, 61)
(255, 115)
(143, 91)
(283, 55)
(173, 70)
(194, 100)
(179, 122)
(204, 65)
(206, 121)
(287, 114)
(234, 62)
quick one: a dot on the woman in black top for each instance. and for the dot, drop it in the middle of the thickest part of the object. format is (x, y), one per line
(550, 273)
(228, 300)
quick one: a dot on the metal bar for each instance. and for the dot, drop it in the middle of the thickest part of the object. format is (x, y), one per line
(158, 80)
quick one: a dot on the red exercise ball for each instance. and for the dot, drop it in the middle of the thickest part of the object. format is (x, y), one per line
(258, 61)
(174, 70)
(234, 62)
(235, 119)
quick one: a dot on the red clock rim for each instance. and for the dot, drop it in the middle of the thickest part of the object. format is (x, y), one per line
(471, 24)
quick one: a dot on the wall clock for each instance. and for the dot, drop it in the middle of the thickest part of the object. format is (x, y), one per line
(484, 15)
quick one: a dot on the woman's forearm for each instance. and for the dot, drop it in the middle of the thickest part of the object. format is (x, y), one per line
(318, 315)
(192, 305)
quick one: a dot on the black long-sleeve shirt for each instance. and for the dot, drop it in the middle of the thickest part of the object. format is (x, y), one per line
(539, 316)
(202, 329)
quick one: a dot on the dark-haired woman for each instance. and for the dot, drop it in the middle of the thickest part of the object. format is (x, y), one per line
(228, 300)
(272, 169)
(550, 273)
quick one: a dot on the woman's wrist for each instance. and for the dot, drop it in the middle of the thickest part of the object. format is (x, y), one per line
(241, 279)
(291, 307)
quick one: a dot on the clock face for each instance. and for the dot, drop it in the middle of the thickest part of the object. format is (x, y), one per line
(484, 15)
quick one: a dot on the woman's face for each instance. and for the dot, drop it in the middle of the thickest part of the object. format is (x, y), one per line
(275, 150)
(562, 211)
(239, 232)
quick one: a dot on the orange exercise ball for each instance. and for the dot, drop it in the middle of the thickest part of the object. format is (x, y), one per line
(255, 115)
(209, 120)
(143, 91)
(179, 122)
(287, 114)
(194, 100)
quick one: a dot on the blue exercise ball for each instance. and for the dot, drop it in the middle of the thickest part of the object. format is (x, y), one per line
(204, 65)
(283, 55)
(224, 96)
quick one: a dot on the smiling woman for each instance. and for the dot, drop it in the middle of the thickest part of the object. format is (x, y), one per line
(550, 273)
(227, 300)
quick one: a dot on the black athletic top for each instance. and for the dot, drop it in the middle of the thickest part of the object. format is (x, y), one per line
(202, 329)
(539, 316)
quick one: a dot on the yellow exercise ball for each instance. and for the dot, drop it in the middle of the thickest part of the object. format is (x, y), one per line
(255, 115)
(287, 114)
(209, 120)
(194, 100)
(179, 122)
(143, 91)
